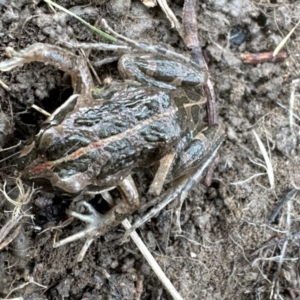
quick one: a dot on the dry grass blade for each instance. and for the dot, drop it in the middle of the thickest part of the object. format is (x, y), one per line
(146, 253)
(283, 42)
(42, 111)
(248, 179)
(292, 102)
(170, 15)
(23, 198)
(30, 280)
(275, 293)
(267, 160)
(6, 87)
(100, 32)
(168, 12)
(152, 262)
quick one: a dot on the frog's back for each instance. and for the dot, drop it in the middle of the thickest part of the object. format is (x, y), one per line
(97, 145)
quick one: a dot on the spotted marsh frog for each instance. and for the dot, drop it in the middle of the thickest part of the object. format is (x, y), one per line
(92, 145)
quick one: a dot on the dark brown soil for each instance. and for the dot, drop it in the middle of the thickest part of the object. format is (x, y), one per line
(229, 248)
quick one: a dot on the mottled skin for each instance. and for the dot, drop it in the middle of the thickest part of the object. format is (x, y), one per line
(98, 145)
(92, 144)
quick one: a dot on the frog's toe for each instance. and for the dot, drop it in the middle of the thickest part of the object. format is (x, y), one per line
(9, 64)
(92, 219)
(18, 58)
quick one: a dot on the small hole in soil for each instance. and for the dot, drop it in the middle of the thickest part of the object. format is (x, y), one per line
(261, 20)
(26, 118)
(215, 184)
(222, 38)
(56, 98)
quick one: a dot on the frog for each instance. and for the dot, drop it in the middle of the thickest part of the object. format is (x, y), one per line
(91, 144)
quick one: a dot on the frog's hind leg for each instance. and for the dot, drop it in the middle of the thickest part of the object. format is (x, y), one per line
(189, 170)
(194, 155)
(130, 70)
(194, 160)
(98, 224)
(56, 56)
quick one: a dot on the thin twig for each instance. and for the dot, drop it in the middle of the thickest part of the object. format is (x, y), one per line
(283, 249)
(31, 280)
(285, 199)
(91, 67)
(258, 58)
(40, 110)
(288, 110)
(294, 84)
(152, 262)
(190, 28)
(6, 87)
(146, 253)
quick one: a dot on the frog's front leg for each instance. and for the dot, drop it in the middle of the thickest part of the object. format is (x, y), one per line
(98, 224)
(58, 57)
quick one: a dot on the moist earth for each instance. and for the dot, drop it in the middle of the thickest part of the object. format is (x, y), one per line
(230, 247)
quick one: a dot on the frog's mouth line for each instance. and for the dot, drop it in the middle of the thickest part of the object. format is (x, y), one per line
(166, 115)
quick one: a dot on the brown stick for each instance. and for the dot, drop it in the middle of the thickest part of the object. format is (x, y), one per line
(190, 29)
(256, 58)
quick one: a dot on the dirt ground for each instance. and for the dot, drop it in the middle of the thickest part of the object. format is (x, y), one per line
(230, 247)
